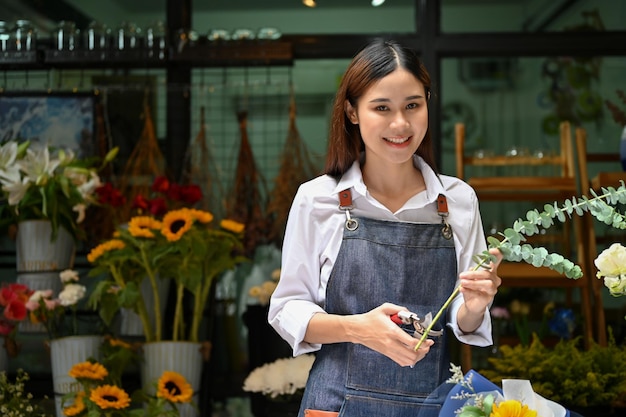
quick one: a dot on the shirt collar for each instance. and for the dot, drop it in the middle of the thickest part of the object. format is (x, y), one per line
(353, 178)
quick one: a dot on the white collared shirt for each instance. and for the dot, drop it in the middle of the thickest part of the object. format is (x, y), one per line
(314, 233)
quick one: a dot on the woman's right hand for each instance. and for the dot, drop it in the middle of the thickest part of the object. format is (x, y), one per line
(375, 330)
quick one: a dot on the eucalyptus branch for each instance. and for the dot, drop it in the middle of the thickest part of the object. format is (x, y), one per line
(601, 206)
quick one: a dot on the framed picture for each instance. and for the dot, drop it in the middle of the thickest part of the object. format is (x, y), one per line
(64, 120)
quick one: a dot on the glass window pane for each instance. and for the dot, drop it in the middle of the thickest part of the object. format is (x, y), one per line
(531, 15)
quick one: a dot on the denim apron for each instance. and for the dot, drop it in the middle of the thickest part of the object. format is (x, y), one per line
(413, 265)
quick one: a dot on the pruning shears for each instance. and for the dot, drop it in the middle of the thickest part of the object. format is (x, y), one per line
(419, 324)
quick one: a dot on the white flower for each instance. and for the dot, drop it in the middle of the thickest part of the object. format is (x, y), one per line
(611, 264)
(9, 171)
(69, 275)
(37, 165)
(284, 376)
(71, 294)
(80, 209)
(16, 190)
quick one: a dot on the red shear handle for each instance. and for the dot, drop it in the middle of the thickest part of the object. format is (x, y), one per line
(396, 319)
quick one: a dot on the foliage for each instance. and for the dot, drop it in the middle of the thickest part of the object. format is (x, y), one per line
(52, 312)
(601, 206)
(184, 246)
(566, 373)
(14, 400)
(45, 182)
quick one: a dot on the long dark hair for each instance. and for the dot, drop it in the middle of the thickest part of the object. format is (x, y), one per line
(375, 61)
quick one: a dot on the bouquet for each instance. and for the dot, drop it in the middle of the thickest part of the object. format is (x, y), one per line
(49, 183)
(183, 246)
(51, 312)
(475, 396)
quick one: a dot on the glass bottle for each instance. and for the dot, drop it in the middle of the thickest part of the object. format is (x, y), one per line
(66, 36)
(25, 36)
(156, 40)
(97, 36)
(5, 36)
(128, 36)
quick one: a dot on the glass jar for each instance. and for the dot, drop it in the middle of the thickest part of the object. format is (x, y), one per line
(65, 37)
(97, 36)
(5, 36)
(24, 36)
(128, 36)
(156, 40)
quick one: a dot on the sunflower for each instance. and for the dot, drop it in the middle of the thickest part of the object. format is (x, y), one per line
(176, 223)
(77, 407)
(105, 247)
(174, 387)
(512, 408)
(141, 226)
(110, 396)
(88, 370)
(201, 215)
(232, 226)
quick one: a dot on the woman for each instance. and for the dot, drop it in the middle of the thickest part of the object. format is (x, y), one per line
(374, 237)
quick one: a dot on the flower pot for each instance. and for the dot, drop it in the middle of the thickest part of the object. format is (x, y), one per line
(184, 358)
(65, 352)
(131, 324)
(34, 252)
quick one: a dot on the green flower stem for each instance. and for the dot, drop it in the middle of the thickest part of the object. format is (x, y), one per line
(142, 311)
(178, 313)
(198, 308)
(155, 294)
(445, 305)
(573, 206)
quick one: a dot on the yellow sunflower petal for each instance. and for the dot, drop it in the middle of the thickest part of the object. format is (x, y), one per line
(232, 226)
(174, 387)
(142, 226)
(512, 408)
(88, 370)
(77, 407)
(110, 396)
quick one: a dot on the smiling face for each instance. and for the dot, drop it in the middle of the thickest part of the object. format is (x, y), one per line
(392, 116)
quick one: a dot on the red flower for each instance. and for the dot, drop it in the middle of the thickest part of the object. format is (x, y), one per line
(107, 194)
(161, 185)
(190, 194)
(158, 206)
(173, 193)
(142, 203)
(15, 310)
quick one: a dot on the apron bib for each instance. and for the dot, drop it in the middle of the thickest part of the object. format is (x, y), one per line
(409, 264)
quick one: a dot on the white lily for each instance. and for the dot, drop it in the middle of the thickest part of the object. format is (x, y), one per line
(9, 171)
(16, 190)
(37, 165)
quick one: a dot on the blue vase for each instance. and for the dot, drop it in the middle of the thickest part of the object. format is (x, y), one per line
(622, 149)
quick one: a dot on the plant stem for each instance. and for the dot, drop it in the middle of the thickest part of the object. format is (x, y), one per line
(178, 313)
(200, 300)
(155, 294)
(142, 311)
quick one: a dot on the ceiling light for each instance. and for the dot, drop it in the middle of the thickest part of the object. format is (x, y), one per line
(377, 3)
(310, 3)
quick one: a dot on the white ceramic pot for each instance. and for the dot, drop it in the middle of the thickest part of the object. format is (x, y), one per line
(184, 358)
(65, 352)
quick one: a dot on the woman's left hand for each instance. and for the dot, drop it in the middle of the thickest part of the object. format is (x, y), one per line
(480, 287)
